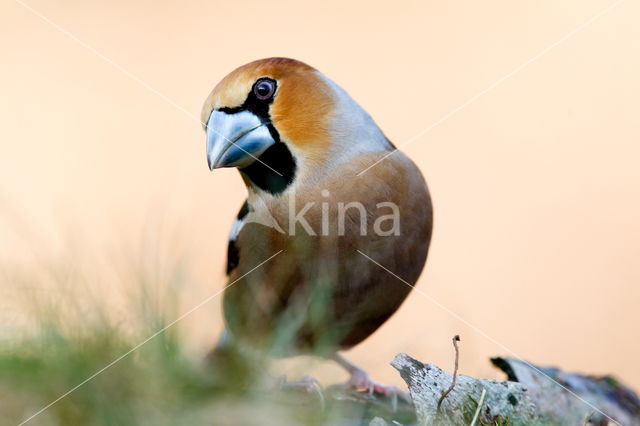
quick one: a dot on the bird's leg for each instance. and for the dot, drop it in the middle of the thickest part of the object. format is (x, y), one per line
(307, 384)
(233, 361)
(360, 380)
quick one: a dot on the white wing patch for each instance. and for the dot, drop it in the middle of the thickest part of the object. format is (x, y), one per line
(235, 229)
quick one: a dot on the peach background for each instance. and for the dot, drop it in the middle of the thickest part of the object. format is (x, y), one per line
(536, 184)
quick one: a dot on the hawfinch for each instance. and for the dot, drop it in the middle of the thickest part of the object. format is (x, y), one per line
(314, 249)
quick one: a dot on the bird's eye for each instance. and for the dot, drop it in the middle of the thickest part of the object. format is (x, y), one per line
(264, 89)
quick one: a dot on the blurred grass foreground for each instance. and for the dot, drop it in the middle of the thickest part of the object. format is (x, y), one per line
(65, 347)
(83, 342)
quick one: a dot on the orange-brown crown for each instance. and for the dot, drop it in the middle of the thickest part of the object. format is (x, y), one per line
(302, 104)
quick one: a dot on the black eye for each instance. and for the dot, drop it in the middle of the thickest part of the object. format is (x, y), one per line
(264, 89)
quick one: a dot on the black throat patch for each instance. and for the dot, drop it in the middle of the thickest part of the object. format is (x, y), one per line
(279, 159)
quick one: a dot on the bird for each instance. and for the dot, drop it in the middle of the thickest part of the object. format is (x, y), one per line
(337, 223)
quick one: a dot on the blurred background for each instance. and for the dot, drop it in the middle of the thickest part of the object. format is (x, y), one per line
(535, 184)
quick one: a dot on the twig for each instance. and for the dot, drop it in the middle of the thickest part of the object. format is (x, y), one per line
(475, 416)
(456, 339)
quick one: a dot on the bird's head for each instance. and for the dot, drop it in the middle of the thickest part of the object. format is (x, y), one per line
(277, 118)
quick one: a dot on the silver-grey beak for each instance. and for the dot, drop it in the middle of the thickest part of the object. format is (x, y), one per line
(235, 140)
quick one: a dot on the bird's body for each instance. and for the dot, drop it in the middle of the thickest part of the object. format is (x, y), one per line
(311, 212)
(359, 296)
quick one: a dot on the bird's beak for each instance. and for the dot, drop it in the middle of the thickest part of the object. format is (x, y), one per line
(236, 140)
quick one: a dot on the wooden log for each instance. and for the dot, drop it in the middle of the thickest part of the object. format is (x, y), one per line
(532, 395)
